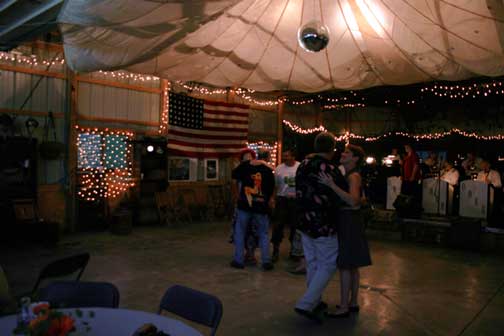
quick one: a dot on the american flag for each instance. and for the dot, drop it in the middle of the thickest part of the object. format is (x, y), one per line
(200, 128)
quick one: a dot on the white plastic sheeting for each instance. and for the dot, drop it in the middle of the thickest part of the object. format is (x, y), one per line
(253, 43)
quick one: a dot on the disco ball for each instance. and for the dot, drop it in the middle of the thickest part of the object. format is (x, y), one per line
(313, 36)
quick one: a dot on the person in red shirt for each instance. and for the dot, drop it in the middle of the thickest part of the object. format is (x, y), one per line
(410, 172)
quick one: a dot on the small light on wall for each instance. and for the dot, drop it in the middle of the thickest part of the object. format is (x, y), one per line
(150, 148)
(370, 160)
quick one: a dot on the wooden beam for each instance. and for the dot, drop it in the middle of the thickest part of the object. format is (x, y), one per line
(122, 129)
(45, 45)
(30, 113)
(117, 85)
(117, 120)
(32, 71)
(72, 91)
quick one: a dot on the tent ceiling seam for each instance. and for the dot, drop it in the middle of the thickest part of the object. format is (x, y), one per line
(358, 48)
(326, 51)
(450, 32)
(449, 59)
(295, 51)
(224, 58)
(471, 12)
(405, 54)
(273, 33)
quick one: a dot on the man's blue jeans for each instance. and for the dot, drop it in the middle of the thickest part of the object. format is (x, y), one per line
(320, 255)
(243, 219)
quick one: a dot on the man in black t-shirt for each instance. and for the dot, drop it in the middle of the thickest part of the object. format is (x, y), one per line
(257, 183)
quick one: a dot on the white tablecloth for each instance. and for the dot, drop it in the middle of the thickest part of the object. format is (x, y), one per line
(117, 322)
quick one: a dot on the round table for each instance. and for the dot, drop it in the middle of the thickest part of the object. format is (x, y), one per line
(118, 322)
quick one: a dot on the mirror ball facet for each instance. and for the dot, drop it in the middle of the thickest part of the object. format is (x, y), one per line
(313, 36)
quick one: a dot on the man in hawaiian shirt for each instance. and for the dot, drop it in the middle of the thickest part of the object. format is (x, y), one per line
(317, 206)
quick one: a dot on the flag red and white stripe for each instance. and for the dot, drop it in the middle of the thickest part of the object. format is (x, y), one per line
(206, 129)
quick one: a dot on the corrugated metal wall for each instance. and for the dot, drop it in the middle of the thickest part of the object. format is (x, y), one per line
(15, 87)
(107, 102)
(111, 106)
(49, 95)
(117, 103)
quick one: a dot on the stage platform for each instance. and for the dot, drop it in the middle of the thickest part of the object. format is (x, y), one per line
(446, 231)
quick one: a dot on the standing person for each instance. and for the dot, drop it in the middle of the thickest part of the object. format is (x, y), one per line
(410, 172)
(316, 205)
(396, 162)
(251, 240)
(493, 179)
(471, 165)
(450, 174)
(488, 175)
(285, 181)
(354, 250)
(256, 182)
(430, 167)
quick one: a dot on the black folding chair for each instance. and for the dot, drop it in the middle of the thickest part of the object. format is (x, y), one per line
(7, 302)
(193, 305)
(80, 294)
(63, 268)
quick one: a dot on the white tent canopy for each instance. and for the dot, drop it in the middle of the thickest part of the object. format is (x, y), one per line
(253, 43)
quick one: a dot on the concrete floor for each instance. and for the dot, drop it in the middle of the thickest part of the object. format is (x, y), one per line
(410, 289)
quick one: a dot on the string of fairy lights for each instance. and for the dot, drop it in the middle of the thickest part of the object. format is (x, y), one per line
(104, 163)
(354, 100)
(465, 91)
(256, 146)
(300, 130)
(163, 122)
(32, 60)
(129, 75)
(425, 136)
(103, 181)
(347, 100)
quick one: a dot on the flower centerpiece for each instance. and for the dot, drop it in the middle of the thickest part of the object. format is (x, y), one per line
(50, 322)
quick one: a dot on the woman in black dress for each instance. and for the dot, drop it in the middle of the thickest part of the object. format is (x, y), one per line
(353, 247)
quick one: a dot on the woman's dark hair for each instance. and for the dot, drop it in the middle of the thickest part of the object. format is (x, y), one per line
(245, 151)
(358, 152)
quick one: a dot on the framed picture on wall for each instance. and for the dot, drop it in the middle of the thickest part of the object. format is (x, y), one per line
(182, 169)
(211, 169)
